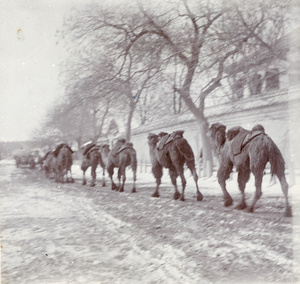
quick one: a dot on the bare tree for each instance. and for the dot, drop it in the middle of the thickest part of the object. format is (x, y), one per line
(104, 40)
(198, 41)
(206, 37)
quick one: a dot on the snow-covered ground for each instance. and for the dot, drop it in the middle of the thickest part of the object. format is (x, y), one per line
(53, 233)
(270, 186)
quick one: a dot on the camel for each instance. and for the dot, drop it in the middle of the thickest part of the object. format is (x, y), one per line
(121, 156)
(247, 151)
(63, 163)
(172, 152)
(48, 164)
(94, 155)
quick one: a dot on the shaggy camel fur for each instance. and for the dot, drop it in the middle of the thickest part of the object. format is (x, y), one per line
(247, 151)
(172, 152)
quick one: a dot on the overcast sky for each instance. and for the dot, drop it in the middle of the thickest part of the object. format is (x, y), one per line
(29, 63)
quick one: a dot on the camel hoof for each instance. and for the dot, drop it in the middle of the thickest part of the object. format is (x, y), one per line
(288, 212)
(155, 194)
(227, 202)
(121, 189)
(103, 184)
(182, 198)
(114, 187)
(133, 190)
(84, 183)
(92, 184)
(249, 209)
(176, 195)
(199, 197)
(241, 206)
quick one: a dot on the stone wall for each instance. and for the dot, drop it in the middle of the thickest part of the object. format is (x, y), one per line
(273, 112)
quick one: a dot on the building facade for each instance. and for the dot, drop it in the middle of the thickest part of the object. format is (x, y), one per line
(274, 111)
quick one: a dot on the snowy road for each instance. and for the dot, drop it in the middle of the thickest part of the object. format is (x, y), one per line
(53, 233)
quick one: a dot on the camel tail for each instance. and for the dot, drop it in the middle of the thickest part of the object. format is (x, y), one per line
(101, 162)
(276, 159)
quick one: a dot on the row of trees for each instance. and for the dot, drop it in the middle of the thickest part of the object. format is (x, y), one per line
(131, 63)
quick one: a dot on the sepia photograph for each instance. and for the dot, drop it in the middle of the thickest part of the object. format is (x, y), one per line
(150, 141)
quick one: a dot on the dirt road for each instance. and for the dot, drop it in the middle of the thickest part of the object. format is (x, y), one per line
(53, 233)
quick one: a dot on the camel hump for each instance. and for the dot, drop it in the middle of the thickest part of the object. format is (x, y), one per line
(163, 140)
(237, 135)
(162, 134)
(178, 134)
(87, 148)
(60, 146)
(166, 138)
(152, 135)
(256, 131)
(127, 145)
(233, 132)
(258, 127)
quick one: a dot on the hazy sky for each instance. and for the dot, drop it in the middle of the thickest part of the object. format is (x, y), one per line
(29, 61)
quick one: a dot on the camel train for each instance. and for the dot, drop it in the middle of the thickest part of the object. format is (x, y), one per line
(246, 151)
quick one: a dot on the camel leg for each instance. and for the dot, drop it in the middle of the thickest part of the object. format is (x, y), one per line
(223, 174)
(83, 168)
(121, 175)
(243, 177)
(71, 177)
(64, 176)
(93, 174)
(191, 166)
(183, 181)
(134, 180)
(103, 178)
(57, 176)
(258, 192)
(285, 187)
(173, 176)
(60, 177)
(110, 171)
(157, 171)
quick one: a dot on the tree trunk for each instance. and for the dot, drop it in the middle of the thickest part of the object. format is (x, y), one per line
(129, 120)
(207, 157)
(201, 120)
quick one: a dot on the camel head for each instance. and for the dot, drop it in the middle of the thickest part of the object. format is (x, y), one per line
(152, 139)
(217, 135)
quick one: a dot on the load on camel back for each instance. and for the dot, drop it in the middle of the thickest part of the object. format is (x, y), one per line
(172, 151)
